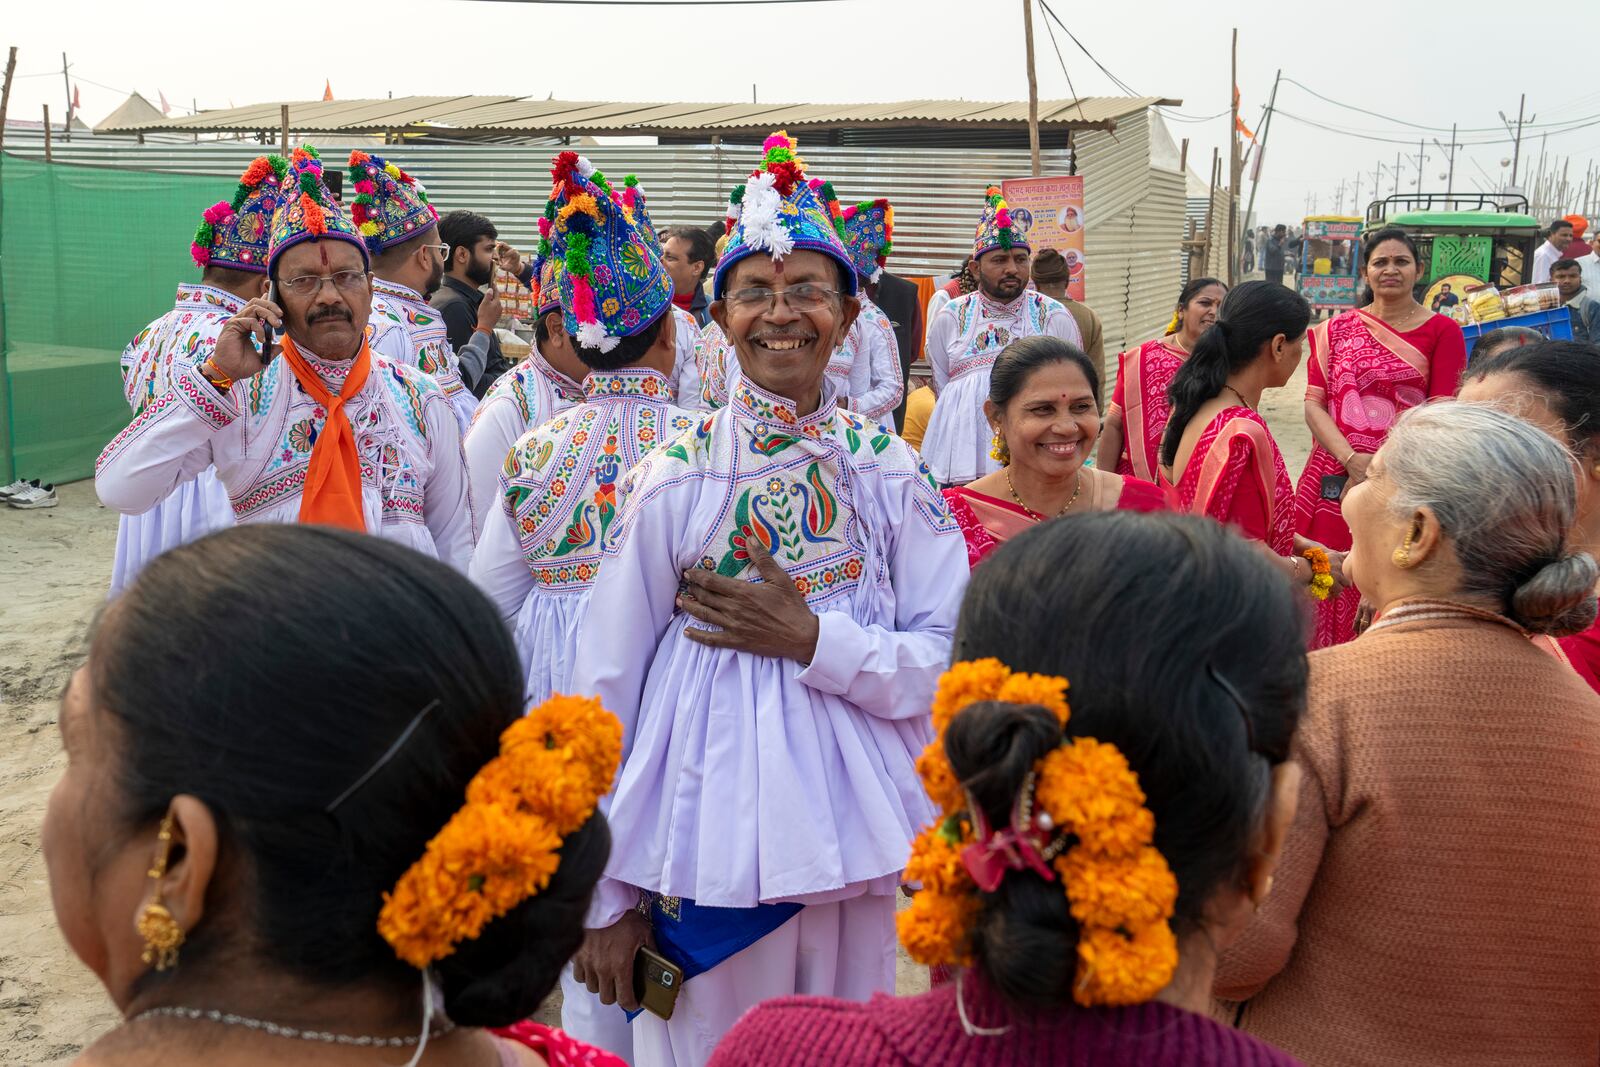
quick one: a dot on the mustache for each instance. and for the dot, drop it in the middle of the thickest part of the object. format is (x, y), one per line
(328, 311)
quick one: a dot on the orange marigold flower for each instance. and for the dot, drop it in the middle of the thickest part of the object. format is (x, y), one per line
(1117, 970)
(1087, 787)
(1118, 892)
(936, 863)
(964, 684)
(1041, 689)
(579, 727)
(936, 928)
(939, 778)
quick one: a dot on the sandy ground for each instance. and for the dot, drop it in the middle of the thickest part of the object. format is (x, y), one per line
(54, 567)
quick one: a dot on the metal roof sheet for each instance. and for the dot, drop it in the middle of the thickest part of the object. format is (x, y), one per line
(507, 114)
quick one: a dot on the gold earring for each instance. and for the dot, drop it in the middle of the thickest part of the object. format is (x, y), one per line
(1402, 555)
(161, 932)
(998, 450)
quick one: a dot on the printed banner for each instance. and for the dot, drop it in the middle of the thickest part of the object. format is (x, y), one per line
(1050, 212)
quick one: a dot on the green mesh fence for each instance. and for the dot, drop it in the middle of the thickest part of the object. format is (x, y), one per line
(88, 256)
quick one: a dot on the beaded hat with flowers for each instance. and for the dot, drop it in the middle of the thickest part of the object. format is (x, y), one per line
(869, 236)
(779, 210)
(611, 279)
(996, 229)
(233, 233)
(308, 211)
(547, 271)
(390, 206)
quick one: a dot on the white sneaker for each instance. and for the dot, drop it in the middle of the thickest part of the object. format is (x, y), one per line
(9, 491)
(36, 496)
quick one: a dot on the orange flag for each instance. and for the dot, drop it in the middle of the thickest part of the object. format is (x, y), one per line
(327, 90)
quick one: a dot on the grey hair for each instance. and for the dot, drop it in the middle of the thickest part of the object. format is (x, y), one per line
(1506, 496)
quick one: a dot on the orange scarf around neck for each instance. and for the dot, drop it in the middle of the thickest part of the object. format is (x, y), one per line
(332, 492)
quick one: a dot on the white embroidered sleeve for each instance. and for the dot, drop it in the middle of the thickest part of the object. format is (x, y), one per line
(447, 507)
(170, 443)
(495, 428)
(941, 334)
(879, 355)
(498, 566)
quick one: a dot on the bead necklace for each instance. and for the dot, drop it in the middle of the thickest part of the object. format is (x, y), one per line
(279, 1030)
(1240, 395)
(1076, 489)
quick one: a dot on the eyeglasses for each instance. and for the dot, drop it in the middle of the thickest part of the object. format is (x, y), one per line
(444, 249)
(801, 298)
(346, 281)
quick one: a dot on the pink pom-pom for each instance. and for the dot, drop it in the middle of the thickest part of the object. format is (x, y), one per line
(221, 211)
(366, 185)
(848, 213)
(544, 227)
(201, 254)
(1002, 219)
(582, 300)
(777, 140)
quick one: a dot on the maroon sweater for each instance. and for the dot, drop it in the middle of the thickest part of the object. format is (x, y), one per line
(926, 1031)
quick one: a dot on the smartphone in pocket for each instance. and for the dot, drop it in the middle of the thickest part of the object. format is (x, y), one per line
(656, 981)
(1333, 486)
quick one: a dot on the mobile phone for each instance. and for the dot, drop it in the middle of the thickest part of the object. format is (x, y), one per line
(1333, 486)
(656, 981)
(270, 349)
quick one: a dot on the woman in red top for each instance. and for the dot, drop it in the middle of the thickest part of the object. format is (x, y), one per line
(1367, 366)
(1556, 386)
(1217, 447)
(1044, 406)
(1138, 413)
(1193, 666)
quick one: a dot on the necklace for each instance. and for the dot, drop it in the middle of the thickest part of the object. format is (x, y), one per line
(1401, 325)
(1240, 395)
(279, 1030)
(1076, 489)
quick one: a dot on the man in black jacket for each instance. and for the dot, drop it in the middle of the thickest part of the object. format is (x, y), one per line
(1274, 253)
(460, 300)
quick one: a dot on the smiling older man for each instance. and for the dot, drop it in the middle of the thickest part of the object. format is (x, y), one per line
(316, 429)
(775, 607)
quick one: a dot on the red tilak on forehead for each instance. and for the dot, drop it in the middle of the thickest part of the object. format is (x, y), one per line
(322, 250)
(777, 267)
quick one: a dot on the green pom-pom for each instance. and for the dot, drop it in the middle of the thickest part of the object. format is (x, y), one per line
(550, 210)
(780, 155)
(311, 151)
(204, 235)
(737, 196)
(886, 249)
(827, 192)
(838, 225)
(578, 242)
(422, 194)
(279, 165)
(544, 248)
(1005, 238)
(239, 196)
(366, 198)
(577, 263)
(631, 181)
(308, 184)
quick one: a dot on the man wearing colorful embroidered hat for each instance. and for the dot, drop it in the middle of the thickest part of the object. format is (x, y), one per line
(775, 605)
(866, 367)
(230, 247)
(392, 213)
(533, 392)
(969, 332)
(869, 233)
(303, 422)
(557, 497)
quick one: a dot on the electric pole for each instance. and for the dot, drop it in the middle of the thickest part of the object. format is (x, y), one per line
(1235, 167)
(1397, 158)
(66, 131)
(1261, 147)
(1516, 149)
(1450, 179)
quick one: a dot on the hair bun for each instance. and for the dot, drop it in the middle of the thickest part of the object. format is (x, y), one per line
(1560, 598)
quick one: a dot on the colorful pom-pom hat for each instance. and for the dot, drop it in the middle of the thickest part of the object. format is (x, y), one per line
(996, 228)
(869, 236)
(547, 271)
(308, 211)
(234, 233)
(780, 210)
(611, 279)
(390, 206)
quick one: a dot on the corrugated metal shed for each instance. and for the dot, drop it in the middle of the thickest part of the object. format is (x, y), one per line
(466, 116)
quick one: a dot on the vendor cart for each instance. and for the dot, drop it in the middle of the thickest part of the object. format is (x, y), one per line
(1328, 262)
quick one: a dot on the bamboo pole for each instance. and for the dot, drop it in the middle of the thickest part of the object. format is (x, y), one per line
(47, 158)
(5, 94)
(1033, 90)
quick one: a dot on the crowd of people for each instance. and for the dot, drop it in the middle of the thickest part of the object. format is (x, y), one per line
(663, 667)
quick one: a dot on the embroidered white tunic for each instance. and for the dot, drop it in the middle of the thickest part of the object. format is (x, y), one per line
(259, 438)
(529, 394)
(745, 778)
(406, 329)
(714, 358)
(556, 503)
(866, 366)
(186, 334)
(687, 386)
(966, 337)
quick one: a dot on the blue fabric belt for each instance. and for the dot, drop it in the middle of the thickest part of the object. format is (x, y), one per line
(698, 938)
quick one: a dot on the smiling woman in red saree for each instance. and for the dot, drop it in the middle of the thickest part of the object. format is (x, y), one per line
(1367, 366)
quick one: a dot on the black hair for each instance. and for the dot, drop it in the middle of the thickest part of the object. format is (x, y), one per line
(702, 247)
(715, 232)
(1496, 341)
(1567, 374)
(1193, 289)
(387, 258)
(1202, 708)
(461, 229)
(1565, 264)
(1019, 359)
(1252, 315)
(1557, 224)
(264, 669)
(628, 350)
(541, 332)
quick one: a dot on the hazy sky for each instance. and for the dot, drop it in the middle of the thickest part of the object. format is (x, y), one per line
(1412, 63)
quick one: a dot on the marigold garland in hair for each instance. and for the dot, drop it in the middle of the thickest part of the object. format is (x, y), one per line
(1321, 573)
(503, 846)
(1119, 887)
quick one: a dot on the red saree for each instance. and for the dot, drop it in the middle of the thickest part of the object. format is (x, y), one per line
(1143, 375)
(1364, 374)
(988, 522)
(1236, 476)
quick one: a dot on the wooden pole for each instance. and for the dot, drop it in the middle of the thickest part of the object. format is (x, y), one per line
(66, 131)
(1183, 158)
(1211, 210)
(1033, 89)
(283, 120)
(1261, 146)
(1235, 167)
(47, 158)
(5, 94)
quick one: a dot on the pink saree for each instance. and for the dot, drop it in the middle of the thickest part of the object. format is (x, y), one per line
(987, 522)
(1364, 374)
(1236, 476)
(1143, 375)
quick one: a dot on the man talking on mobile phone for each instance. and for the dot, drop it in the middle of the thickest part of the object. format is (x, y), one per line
(302, 421)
